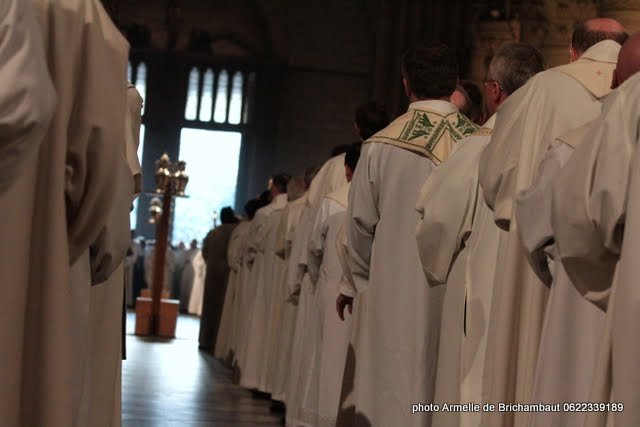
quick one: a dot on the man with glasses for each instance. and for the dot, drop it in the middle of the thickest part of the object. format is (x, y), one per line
(458, 242)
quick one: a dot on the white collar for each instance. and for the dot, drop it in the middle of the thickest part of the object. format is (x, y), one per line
(444, 107)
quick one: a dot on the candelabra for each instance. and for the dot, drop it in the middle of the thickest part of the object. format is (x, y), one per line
(171, 181)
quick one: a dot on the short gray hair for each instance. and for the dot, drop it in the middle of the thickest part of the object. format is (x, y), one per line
(295, 188)
(513, 64)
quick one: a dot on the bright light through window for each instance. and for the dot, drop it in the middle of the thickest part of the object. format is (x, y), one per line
(141, 83)
(235, 105)
(220, 114)
(206, 102)
(212, 165)
(191, 111)
(133, 216)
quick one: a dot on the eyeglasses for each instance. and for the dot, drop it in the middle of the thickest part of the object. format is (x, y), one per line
(486, 82)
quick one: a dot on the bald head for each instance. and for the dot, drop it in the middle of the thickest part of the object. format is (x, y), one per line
(628, 60)
(605, 25)
(594, 31)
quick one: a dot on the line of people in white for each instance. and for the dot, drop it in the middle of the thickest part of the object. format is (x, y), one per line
(477, 264)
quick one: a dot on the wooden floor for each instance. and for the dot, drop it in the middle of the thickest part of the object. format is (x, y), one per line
(171, 383)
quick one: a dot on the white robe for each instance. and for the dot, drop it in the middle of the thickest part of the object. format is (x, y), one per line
(27, 100)
(276, 298)
(549, 105)
(102, 396)
(261, 232)
(328, 179)
(67, 191)
(398, 314)
(223, 346)
(458, 243)
(243, 314)
(288, 225)
(590, 197)
(573, 327)
(322, 393)
(198, 270)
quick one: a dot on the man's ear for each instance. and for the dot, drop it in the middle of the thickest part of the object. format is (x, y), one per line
(574, 55)
(407, 89)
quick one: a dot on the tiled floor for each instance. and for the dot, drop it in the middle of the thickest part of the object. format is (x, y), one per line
(171, 383)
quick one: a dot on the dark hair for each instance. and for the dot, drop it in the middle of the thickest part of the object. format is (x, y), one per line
(514, 64)
(352, 156)
(475, 99)
(431, 70)
(265, 197)
(252, 206)
(227, 215)
(280, 181)
(309, 174)
(583, 38)
(371, 118)
(339, 149)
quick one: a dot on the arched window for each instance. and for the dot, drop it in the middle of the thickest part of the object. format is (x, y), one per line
(235, 104)
(220, 113)
(206, 102)
(191, 111)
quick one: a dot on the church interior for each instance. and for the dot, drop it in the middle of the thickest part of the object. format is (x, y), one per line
(249, 112)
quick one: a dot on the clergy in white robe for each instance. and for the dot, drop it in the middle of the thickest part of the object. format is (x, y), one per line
(458, 242)
(322, 393)
(591, 196)
(195, 272)
(103, 380)
(262, 231)
(283, 307)
(572, 329)
(399, 314)
(186, 277)
(288, 224)
(237, 240)
(328, 179)
(27, 101)
(60, 204)
(276, 298)
(549, 105)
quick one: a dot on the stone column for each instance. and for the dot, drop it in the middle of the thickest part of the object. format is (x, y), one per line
(487, 38)
(625, 11)
(561, 16)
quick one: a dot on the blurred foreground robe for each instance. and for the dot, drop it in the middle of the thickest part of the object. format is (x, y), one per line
(458, 242)
(214, 253)
(61, 206)
(398, 315)
(595, 204)
(549, 105)
(105, 340)
(27, 101)
(225, 341)
(329, 178)
(322, 395)
(261, 257)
